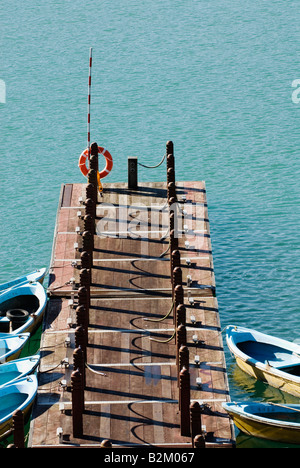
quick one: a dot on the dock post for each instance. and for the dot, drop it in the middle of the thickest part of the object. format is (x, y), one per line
(178, 290)
(196, 426)
(77, 403)
(90, 193)
(175, 255)
(80, 339)
(171, 193)
(173, 240)
(171, 176)
(172, 221)
(183, 356)
(92, 179)
(85, 281)
(171, 200)
(18, 429)
(106, 444)
(180, 341)
(178, 299)
(177, 281)
(90, 206)
(132, 172)
(83, 298)
(170, 147)
(94, 166)
(87, 241)
(180, 321)
(177, 276)
(184, 397)
(90, 210)
(86, 260)
(170, 156)
(89, 223)
(175, 261)
(79, 362)
(94, 157)
(180, 315)
(82, 319)
(199, 441)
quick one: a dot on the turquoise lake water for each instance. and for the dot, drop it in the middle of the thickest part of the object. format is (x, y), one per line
(216, 79)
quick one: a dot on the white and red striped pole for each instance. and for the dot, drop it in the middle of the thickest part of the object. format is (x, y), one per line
(89, 106)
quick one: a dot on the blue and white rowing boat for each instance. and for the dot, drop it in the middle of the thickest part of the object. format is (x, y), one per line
(271, 421)
(267, 358)
(11, 345)
(37, 275)
(13, 370)
(22, 308)
(18, 395)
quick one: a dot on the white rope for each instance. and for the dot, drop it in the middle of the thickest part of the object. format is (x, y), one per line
(95, 372)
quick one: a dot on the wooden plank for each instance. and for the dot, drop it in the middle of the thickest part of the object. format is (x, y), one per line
(67, 195)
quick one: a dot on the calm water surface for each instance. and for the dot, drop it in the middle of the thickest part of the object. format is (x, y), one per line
(216, 78)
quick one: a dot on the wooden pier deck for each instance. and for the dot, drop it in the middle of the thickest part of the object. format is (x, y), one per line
(139, 355)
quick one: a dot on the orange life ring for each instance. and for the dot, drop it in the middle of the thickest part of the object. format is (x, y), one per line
(109, 162)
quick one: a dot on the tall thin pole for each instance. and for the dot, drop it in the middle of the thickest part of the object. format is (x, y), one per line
(89, 105)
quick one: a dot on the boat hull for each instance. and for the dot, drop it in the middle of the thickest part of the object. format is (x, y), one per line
(269, 429)
(269, 377)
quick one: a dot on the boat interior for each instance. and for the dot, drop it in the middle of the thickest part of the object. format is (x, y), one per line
(27, 302)
(273, 355)
(275, 411)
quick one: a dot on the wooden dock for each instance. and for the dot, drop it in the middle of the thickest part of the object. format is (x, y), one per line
(131, 350)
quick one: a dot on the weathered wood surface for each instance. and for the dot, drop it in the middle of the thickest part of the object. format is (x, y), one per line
(131, 394)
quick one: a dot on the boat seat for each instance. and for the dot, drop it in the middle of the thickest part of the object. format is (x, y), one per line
(283, 364)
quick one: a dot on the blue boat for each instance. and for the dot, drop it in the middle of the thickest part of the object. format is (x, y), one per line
(271, 421)
(37, 275)
(18, 368)
(22, 308)
(273, 360)
(11, 345)
(18, 395)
